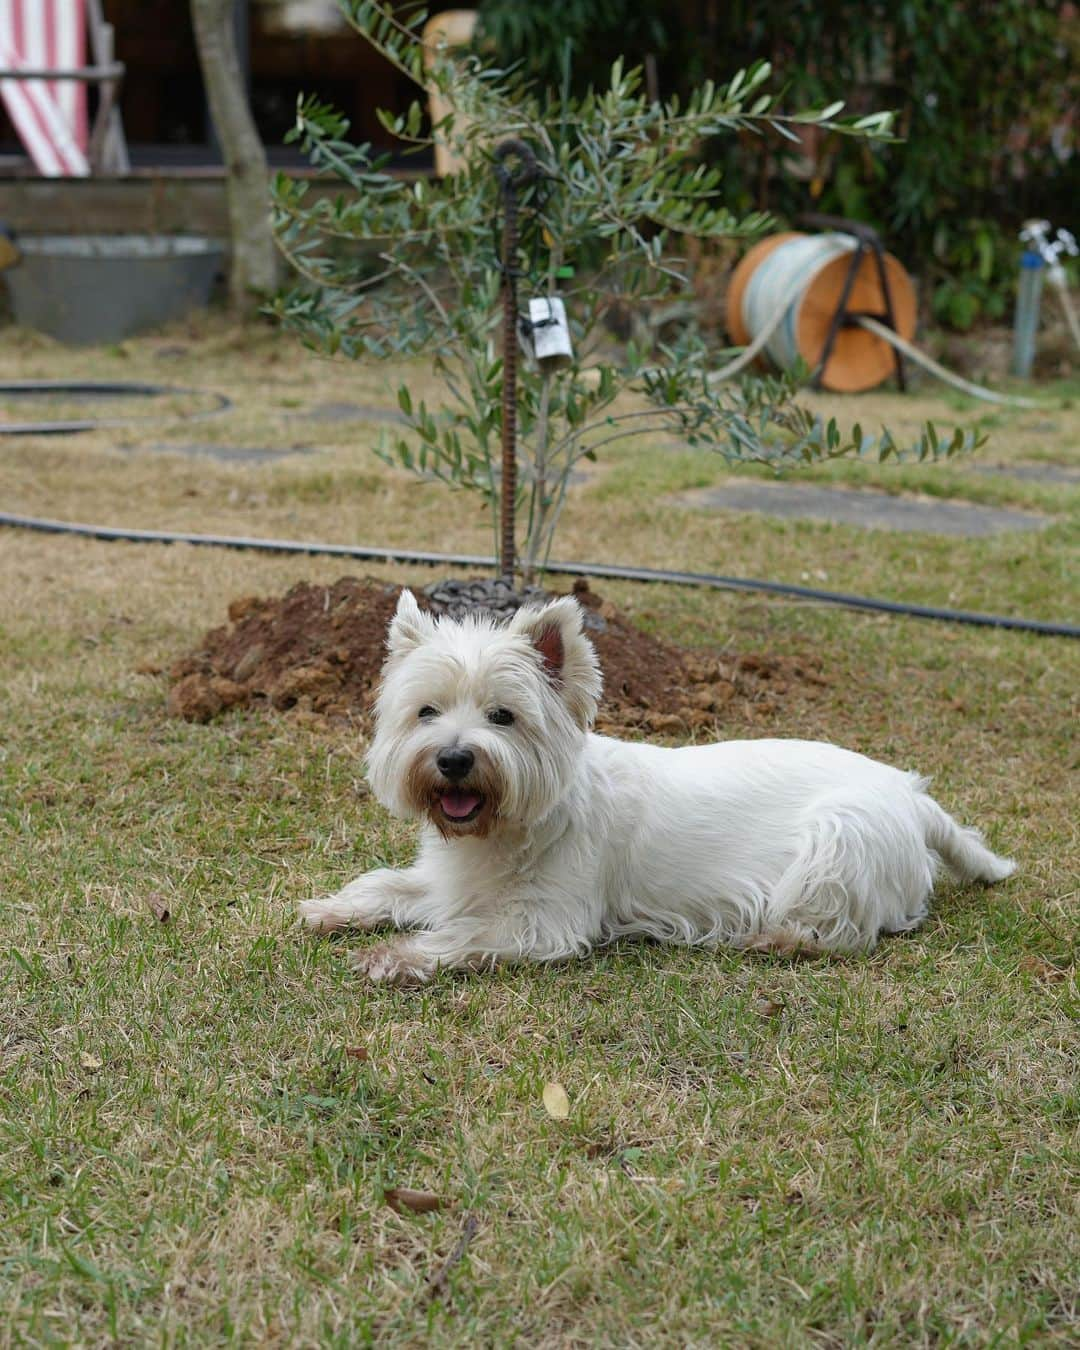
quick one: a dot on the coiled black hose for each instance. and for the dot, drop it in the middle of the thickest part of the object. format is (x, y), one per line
(98, 389)
(611, 571)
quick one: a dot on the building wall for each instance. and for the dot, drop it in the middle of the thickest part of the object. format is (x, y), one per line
(293, 46)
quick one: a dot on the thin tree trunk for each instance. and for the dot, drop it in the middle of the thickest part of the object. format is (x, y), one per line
(254, 266)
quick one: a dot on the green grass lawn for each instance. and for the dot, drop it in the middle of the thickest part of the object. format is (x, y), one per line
(199, 1117)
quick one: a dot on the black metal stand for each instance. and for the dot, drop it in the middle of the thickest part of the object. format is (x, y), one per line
(867, 240)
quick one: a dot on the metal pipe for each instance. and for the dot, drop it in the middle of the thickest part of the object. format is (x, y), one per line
(511, 180)
(114, 70)
(1026, 322)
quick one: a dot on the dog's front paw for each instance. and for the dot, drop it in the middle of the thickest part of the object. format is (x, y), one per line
(794, 940)
(323, 913)
(393, 963)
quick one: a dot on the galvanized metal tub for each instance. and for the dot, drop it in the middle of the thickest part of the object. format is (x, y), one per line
(101, 288)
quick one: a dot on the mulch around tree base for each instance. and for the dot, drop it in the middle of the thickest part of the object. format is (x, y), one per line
(319, 649)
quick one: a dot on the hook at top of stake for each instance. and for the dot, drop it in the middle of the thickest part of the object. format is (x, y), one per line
(513, 179)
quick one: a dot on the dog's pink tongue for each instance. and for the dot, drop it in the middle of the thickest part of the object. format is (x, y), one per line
(458, 804)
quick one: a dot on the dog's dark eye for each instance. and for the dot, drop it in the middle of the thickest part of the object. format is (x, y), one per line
(427, 712)
(501, 717)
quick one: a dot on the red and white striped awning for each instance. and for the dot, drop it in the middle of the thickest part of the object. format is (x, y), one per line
(49, 115)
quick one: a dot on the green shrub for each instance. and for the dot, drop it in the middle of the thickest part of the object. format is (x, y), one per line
(621, 190)
(982, 91)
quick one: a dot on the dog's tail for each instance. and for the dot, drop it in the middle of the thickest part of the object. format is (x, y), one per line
(961, 849)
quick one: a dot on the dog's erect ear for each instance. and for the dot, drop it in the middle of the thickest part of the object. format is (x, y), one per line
(410, 625)
(565, 652)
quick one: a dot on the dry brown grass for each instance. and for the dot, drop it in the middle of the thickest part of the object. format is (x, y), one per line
(758, 1153)
(627, 512)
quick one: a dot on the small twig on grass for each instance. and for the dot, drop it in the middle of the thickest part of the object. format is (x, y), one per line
(1067, 943)
(439, 1282)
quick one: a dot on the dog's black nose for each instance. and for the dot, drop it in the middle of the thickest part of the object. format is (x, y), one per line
(455, 762)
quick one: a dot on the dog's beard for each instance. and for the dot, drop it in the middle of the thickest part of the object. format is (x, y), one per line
(469, 807)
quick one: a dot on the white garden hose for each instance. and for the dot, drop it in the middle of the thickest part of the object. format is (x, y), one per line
(750, 353)
(788, 271)
(1057, 275)
(935, 368)
(775, 294)
(1036, 237)
(761, 340)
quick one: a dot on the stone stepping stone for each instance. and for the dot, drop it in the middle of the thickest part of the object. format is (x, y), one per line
(227, 454)
(872, 510)
(348, 412)
(1033, 473)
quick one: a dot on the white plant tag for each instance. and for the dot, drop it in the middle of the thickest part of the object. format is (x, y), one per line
(548, 336)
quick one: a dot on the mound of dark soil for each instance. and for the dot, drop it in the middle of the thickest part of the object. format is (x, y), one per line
(320, 649)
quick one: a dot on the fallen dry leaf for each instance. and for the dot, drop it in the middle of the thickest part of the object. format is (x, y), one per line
(556, 1102)
(1043, 969)
(359, 1052)
(89, 1061)
(407, 1201)
(158, 907)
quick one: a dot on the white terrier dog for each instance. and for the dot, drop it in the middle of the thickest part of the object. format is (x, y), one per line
(541, 839)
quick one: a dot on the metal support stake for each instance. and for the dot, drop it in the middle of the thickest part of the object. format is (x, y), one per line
(511, 181)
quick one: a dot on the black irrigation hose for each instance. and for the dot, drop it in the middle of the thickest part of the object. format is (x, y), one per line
(610, 571)
(99, 389)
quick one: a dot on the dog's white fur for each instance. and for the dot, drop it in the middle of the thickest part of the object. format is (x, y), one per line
(579, 838)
